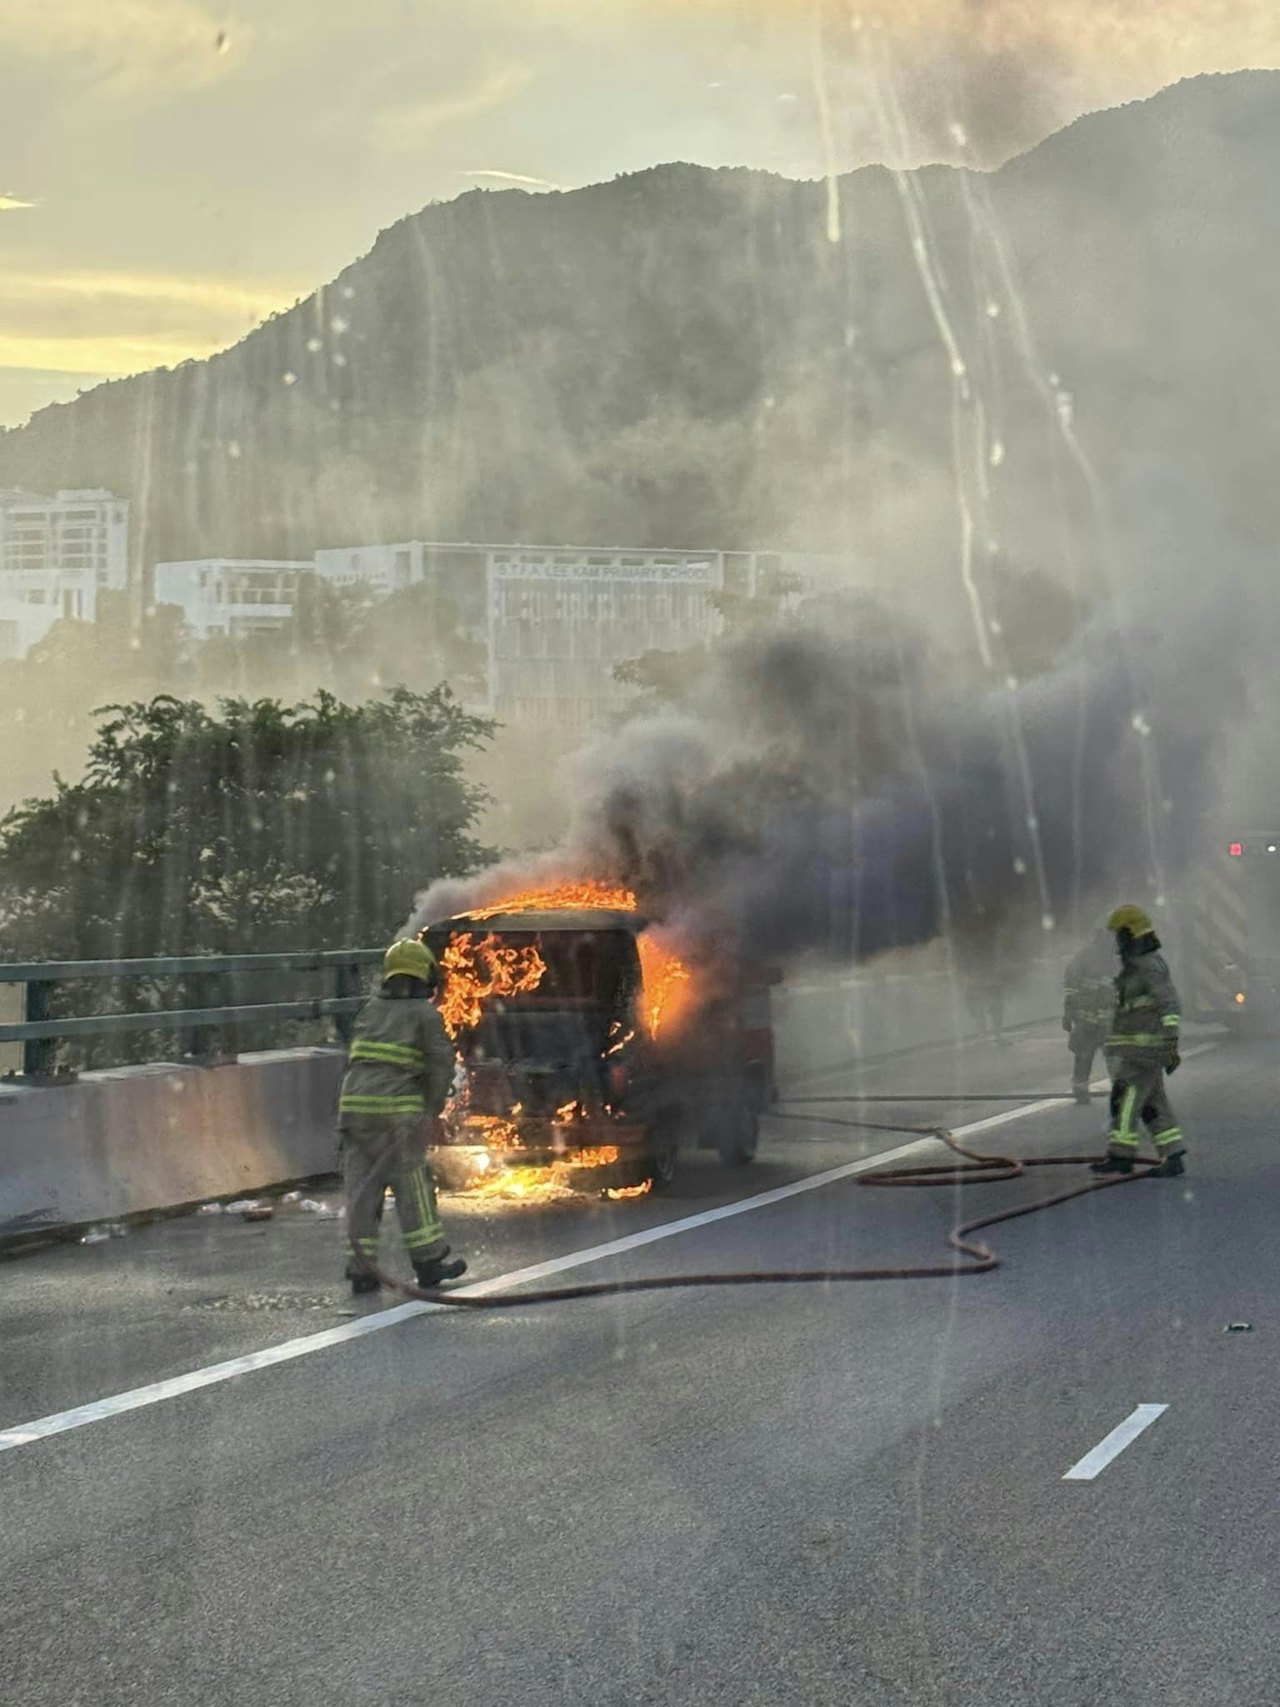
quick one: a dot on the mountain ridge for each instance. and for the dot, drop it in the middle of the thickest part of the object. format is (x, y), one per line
(681, 353)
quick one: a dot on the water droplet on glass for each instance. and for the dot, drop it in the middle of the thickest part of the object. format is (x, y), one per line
(290, 378)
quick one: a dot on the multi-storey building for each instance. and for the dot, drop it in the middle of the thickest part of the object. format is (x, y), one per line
(553, 621)
(230, 596)
(56, 556)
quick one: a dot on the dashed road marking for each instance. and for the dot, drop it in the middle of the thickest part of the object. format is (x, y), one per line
(1124, 1434)
(155, 1392)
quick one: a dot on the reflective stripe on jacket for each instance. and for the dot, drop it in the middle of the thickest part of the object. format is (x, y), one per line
(1148, 1012)
(400, 1062)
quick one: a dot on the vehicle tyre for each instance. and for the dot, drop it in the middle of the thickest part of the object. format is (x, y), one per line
(661, 1166)
(734, 1132)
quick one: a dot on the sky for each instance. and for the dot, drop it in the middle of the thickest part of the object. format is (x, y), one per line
(172, 171)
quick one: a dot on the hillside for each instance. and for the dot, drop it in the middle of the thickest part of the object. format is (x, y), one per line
(683, 356)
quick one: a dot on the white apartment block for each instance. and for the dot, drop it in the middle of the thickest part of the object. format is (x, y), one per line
(561, 619)
(230, 596)
(554, 621)
(384, 568)
(56, 556)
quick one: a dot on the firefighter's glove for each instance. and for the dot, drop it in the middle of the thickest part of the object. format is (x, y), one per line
(1173, 1063)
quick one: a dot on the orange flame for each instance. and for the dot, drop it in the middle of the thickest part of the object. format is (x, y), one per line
(602, 1156)
(558, 1179)
(494, 1131)
(473, 972)
(669, 994)
(584, 893)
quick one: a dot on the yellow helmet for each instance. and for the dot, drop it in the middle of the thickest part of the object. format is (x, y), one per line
(1132, 919)
(409, 959)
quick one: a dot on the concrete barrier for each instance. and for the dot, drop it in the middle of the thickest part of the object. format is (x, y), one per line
(137, 1139)
(134, 1139)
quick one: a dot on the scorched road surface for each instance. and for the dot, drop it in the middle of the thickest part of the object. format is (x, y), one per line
(774, 1495)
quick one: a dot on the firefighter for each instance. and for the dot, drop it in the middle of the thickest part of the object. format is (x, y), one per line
(399, 1072)
(1142, 1048)
(1089, 1000)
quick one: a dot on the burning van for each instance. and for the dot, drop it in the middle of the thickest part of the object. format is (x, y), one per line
(589, 1046)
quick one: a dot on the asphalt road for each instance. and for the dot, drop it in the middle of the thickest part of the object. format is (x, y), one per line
(766, 1494)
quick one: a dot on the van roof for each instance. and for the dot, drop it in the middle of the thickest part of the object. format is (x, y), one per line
(599, 919)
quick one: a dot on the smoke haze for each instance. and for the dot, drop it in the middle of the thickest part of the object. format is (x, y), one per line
(838, 785)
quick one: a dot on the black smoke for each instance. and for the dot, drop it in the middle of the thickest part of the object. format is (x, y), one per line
(839, 783)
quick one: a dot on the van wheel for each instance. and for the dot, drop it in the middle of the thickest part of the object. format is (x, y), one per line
(661, 1167)
(734, 1133)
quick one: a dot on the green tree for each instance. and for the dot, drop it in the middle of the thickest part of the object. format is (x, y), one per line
(252, 827)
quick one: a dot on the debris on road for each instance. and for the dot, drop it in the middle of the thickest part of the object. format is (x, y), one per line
(108, 1230)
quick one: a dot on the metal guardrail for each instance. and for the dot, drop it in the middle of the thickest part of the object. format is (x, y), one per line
(41, 1030)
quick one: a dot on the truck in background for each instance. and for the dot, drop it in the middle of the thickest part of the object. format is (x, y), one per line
(1225, 939)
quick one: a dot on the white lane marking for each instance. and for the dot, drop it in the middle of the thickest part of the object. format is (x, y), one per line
(61, 1422)
(152, 1394)
(1124, 1434)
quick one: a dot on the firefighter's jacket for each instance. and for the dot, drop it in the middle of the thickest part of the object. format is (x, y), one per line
(400, 1063)
(1148, 1012)
(1089, 988)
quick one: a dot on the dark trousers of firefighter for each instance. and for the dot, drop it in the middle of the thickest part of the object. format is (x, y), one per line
(1138, 1099)
(1085, 1042)
(389, 1153)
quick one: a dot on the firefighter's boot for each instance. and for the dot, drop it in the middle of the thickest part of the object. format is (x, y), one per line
(1172, 1167)
(444, 1267)
(1112, 1163)
(360, 1278)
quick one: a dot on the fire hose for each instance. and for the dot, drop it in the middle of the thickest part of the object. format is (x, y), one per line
(974, 1168)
